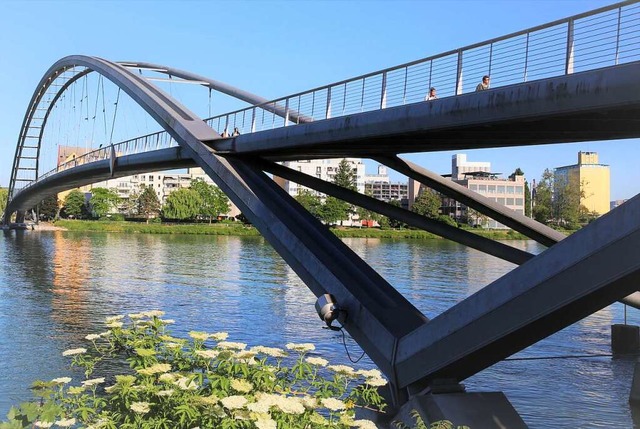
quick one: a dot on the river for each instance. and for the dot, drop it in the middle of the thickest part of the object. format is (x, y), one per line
(56, 287)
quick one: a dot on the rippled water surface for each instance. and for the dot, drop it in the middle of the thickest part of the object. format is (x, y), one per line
(56, 287)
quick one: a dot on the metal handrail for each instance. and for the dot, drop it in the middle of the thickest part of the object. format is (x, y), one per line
(603, 37)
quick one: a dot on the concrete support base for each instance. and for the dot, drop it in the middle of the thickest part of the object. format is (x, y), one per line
(634, 395)
(485, 410)
(625, 339)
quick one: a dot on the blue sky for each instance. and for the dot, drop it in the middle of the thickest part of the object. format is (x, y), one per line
(277, 48)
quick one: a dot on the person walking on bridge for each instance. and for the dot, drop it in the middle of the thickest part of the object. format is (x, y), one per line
(484, 85)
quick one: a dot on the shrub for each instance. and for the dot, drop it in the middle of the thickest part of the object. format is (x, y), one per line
(204, 381)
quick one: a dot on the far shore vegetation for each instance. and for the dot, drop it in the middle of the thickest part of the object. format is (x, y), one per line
(240, 229)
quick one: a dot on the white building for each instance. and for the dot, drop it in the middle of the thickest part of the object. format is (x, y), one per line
(324, 169)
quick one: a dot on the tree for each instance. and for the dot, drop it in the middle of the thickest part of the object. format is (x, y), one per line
(427, 204)
(50, 208)
(333, 210)
(182, 204)
(392, 222)
(366, 214)
(130, 204)
(310, 201)
(566, 202)
(148, 203)
(214, 201)
(4, 195)
(103, 200)
(345, 177)
(542, 201)
(74, 203)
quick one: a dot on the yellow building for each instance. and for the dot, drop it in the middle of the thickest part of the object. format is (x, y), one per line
(593, 178)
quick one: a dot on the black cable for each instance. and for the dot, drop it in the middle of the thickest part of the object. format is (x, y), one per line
(562, 357)
(344, 342)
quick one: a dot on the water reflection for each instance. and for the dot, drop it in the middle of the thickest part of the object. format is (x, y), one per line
(56, 287)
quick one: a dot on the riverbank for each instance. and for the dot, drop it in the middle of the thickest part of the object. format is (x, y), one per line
(247, 230)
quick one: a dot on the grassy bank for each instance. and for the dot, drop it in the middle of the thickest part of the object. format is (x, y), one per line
(239, 229)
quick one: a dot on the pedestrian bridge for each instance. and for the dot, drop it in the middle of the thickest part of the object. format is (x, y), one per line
(576, 79)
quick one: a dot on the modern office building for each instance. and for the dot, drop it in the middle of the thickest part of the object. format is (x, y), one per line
(381, 188)
(477, 176)
(593, 178)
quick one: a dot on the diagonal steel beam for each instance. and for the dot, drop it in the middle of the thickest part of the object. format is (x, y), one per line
(458, 235)
(378, 316)
(529, 227)
(583, 273)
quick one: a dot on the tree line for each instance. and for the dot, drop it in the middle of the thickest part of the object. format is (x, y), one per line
(200, 200)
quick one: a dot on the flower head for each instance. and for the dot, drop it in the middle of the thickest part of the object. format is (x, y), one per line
(242, 386)
(333, 404)
(73, 352)
(140, 407)
(302, 347)
(92, 337)
(93, 381)
(234, 402)
(155, 369)
(231, 345)
(200, 336)
(342, 369)
(219, 336)
(61, 380)
(317, 361)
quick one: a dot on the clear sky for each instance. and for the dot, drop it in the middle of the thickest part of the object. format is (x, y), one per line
(276, 48)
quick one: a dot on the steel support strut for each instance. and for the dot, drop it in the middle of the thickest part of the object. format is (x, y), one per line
(458, 235)
(377, 315)
(582, 274)
(529, 227)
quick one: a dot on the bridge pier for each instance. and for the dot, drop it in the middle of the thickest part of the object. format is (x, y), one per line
(487, 410)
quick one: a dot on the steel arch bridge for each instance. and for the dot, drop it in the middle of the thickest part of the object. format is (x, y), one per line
(573, 278)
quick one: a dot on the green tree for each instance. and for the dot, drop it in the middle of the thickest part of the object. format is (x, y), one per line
(214, 201)
(333, 210)
(103, 200)
(4, 195)
(311, 202)
(427, 204)
(148, 203)
(130, 204)
(542, 202)
(567, 210)
(386, 221)
(366, 214)
(182, 204)
(345, 177)
(74, 203)
(50, 208)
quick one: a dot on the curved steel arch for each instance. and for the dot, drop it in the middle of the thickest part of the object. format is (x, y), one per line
(225, 88)
(176, 119)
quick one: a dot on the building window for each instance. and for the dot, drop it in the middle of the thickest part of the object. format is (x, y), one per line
(519, 201)
(519, 190)
(501, 189)
(510, 189)
(500, 201)
(491, 189)
(482, 189)
(509, 201)
(473, 187)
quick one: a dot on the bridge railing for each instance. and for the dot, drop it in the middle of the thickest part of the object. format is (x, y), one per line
(146, 143)
(603, 37)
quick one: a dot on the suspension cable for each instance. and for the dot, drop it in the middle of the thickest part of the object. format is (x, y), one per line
(115, 111)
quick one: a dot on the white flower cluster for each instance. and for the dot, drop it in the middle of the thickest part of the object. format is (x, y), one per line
(302, 347)
(73, 352)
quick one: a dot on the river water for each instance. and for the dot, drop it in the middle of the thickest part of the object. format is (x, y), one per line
(56, 287)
